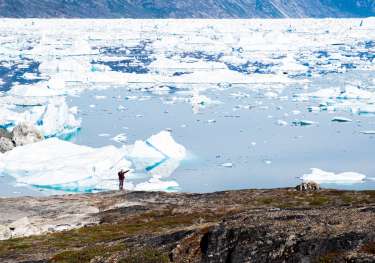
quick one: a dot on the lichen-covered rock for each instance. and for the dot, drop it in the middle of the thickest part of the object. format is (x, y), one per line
(25, 133)
(308, 187)
(6, 144)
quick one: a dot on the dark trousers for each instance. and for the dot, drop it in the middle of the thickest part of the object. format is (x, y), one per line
(121, 184)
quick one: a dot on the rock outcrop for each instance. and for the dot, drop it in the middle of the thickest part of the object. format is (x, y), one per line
(281, 225)
(6, 144)
(4, 133)
(22, 134)
(25, 133)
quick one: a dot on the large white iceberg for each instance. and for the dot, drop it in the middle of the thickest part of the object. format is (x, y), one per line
(158, 156)
(61, 165)
(320, 176)
(54, 118)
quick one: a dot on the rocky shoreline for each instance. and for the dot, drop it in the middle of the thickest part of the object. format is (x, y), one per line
(279, 225)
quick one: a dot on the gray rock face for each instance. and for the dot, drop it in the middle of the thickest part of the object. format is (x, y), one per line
(6, 144)
(288, 237)
(187, 8)
(25, 133)
(5, 133)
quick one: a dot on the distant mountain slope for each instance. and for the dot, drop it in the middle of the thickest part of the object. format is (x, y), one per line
(186, 8)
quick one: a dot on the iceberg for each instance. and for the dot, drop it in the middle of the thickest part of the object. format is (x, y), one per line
(42, 104)
(282, 123)
(320, 176)
(155, 184)
(341, 119)
(369, 132)
(165, 144)
(159, 155)
(120, 138)
(62, 165)
(48, 89)
(53, 119)
(303, 123)
(227, 165)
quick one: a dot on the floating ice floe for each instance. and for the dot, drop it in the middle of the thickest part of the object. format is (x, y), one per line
(341, 119)
(199, 101)
(296, 112)
(121, 138)
(303, 123)
(99, 97)
(61, 165)
(282, 123)
(227, 165)
(323, 177)
(369, 132)
(155, 184)
(350, 99)
(43, 89)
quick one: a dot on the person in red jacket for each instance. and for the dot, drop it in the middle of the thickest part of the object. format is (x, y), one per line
(121, 178)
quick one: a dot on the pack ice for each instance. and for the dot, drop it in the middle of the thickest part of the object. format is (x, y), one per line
(41, 65)
(62, 165)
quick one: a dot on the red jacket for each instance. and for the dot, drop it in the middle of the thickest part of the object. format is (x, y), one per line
(121, 175)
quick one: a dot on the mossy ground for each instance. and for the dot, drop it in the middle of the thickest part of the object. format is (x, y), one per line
(84, 244)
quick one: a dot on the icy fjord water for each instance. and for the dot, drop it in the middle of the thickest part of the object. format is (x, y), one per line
(263, 153)
(256, 103)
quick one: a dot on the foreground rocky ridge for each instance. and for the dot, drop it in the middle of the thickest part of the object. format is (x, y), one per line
(281, 225)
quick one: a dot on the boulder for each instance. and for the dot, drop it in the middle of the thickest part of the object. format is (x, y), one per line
(6, 144)
(25, 133)
(5, 133)
(23, 227)
(308, 186)
(5, 232)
